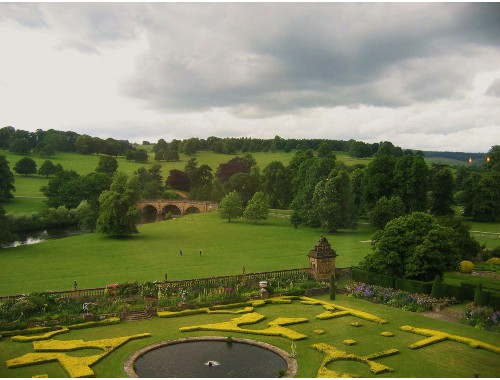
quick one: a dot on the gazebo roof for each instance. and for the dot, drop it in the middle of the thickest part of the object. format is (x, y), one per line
(322, 249)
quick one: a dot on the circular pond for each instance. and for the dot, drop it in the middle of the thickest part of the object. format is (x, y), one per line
(210, 357)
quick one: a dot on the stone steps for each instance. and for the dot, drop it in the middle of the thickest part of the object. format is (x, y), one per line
(138, 315)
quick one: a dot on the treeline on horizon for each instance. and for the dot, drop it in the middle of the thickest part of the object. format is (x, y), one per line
(47, 143)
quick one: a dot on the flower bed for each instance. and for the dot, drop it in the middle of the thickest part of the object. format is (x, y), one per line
(392, 297)
(481, 317)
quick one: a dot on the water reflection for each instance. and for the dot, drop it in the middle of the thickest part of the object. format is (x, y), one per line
(35, 237)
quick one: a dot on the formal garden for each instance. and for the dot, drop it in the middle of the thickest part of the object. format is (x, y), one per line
(327, 338)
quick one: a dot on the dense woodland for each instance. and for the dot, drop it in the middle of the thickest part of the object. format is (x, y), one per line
(322, 191)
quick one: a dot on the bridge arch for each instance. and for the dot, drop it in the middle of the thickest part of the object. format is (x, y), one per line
(149, 214)
(176, 207)
(191, 210)
(173, 209)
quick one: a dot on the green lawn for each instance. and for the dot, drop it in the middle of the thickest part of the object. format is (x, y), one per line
(443, 359)
(95, 260)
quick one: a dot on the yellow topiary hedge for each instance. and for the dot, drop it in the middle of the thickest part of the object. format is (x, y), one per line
(493, 260)
(247, 309)
(104, 322)
(74, 366)
(334, 311)
(31, 338)
(439, 336)
(333, 354)
(173, 314)
(466, 266)
(350, 342)
(276, 327)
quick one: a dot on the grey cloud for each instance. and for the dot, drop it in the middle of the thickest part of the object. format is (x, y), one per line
(494, 89)
(26, 14)
(263, 59)
(82, 47)
(286, 56)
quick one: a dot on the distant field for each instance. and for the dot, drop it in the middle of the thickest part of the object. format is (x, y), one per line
(84, 164)
(95, 260)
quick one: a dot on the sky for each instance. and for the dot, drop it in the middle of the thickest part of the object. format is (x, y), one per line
(421, 75)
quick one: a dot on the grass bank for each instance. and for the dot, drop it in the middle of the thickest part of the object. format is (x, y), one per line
(95, 260)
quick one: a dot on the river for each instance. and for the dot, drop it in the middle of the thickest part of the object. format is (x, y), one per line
(35, 237)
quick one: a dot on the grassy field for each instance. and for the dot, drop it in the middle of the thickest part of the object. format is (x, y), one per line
(29, 186)
(443, 359)
(95, 260)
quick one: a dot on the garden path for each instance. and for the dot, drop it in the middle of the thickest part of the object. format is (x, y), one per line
(444, 315)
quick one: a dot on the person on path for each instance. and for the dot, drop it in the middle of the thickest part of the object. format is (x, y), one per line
(180, 252)
(200, 252)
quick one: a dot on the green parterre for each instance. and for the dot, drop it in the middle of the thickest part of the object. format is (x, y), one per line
(386, 343)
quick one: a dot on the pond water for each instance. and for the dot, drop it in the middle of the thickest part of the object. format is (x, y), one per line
(192, 359)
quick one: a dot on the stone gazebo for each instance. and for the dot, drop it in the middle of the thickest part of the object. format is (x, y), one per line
(322, 260)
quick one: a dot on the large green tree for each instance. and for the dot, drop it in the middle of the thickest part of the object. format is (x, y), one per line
(277, 183)
(6, 180)
(47, 168)
(245, 184)
(333, 202)
(410, 182)
(481, 197)
(231, 206)
(311, 171)
(414, 246)
(107, 165)
(118, 214)
(386, 210)
(257, 208)
(6, 236)
(377, 180)
(25, 166)
(442, 188)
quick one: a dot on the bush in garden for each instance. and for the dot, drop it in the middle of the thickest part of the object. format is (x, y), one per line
(332, 286)
(437, 287)
(493, 260)
(466, 266)
(480, 297)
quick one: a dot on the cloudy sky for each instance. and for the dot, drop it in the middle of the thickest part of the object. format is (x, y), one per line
(424, 76)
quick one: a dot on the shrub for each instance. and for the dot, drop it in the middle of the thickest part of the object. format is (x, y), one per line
(437, 287)
(480, 297)
(493, 260)
(350, 342)
(466, 266)
(332, 286)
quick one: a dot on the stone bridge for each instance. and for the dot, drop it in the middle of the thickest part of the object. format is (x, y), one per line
(155, 210)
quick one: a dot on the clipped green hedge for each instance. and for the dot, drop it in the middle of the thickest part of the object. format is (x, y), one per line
(448, 290)
(493, 300)
(413, 286)
(368, 277)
